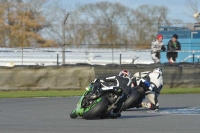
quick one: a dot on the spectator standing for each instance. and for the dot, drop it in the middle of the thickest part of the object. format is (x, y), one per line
(156, 47)
(172, 46)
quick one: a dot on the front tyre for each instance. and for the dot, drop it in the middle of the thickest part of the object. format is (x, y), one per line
(95, 109)
(135, 95)
(73, 114)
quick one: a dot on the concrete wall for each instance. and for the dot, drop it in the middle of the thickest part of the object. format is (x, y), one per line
(78, 77)
(185, 75)
(37, 78)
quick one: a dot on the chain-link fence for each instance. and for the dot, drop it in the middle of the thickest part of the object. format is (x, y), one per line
(88, 43)
(53, 56)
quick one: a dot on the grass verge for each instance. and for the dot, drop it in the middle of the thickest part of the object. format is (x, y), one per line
(40, 93)
(67, 93)
(181, 91)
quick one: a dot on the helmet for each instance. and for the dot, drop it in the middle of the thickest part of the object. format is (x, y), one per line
(158, 70)
(125, 73)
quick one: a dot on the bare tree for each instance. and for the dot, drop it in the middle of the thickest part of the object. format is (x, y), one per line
(101, 24)
(118, 25)
(105, 18)
(147, 20)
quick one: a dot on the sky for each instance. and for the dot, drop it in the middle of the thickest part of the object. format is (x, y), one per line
(177, 8)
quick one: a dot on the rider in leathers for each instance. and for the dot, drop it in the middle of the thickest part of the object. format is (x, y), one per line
(123, 81)
(154, 83)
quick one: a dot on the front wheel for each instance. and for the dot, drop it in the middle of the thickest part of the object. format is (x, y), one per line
(135, 95)
(73, 114)
(96, 108)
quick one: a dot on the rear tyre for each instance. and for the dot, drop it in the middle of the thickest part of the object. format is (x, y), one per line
(94, 110)
(135, 95)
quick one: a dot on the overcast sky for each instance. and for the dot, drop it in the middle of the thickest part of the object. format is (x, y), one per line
(177, 8)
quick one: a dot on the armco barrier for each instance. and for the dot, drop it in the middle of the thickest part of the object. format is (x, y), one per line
(78, 76)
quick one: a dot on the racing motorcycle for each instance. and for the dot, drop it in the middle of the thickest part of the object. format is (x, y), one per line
(100, 105)
(136, 96)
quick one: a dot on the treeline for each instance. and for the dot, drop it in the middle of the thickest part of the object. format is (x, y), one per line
(115, 25)
(26, 23)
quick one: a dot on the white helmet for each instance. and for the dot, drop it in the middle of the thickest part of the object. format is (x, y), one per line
(158, 70)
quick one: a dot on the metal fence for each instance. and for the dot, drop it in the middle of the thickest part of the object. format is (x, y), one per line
(88, 43)
(53, 56)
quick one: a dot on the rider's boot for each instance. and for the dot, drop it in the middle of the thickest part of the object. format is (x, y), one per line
(150, 106)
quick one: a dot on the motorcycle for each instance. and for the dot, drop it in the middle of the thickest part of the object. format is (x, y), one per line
(136, 96)
(100, 105)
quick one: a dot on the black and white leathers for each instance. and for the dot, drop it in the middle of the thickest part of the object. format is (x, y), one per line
(122, 82)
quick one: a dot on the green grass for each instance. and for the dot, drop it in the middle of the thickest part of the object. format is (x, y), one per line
(181, 91)
(66, 93)
(40, 93)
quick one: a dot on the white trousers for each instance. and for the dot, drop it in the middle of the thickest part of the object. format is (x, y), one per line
(155, 59)
(153, 98)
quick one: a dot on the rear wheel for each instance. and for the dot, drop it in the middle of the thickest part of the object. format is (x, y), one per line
(135, 95)
(95, 109)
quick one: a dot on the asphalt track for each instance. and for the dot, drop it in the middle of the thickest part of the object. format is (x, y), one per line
(51, 115)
